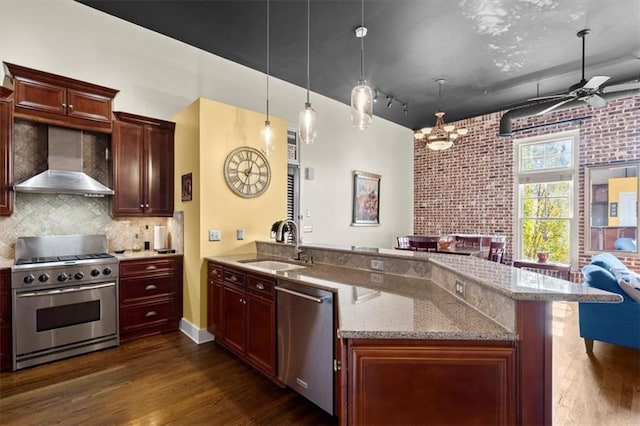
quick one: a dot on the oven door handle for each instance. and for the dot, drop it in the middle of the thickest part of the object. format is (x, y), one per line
(64, 290)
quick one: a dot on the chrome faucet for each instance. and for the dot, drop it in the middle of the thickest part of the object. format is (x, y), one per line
(293, 228)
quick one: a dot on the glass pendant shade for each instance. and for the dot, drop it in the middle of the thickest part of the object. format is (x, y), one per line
(439, 144)
(361, 105)
(307, 124)
(267, 137)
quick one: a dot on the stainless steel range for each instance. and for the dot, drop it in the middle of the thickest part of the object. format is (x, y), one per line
(64, 298)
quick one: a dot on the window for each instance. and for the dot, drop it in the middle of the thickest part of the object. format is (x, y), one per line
(545, 198)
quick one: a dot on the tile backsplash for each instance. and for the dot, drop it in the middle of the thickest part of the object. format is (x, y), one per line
(61, 214)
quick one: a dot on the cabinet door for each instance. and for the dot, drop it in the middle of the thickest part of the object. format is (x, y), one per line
(88, 106)
(233, 304)
(261, 333)
(5, 319)
(40, 96)
(6, 150)
(431, 384)
(214, 309)
(159, 171)
(128, 154)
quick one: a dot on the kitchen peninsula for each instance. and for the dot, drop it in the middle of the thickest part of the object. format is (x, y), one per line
(429, 337)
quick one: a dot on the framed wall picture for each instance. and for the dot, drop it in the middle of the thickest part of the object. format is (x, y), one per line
(187, 187)
(366, 199)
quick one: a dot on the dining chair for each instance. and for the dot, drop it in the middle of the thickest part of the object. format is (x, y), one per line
(557, 270)
(496, 251)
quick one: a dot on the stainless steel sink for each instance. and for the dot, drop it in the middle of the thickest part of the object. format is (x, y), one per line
(273, 265)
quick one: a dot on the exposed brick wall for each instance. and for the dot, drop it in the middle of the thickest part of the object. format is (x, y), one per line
(469, 188)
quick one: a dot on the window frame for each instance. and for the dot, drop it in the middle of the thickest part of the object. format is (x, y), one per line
(555, 174)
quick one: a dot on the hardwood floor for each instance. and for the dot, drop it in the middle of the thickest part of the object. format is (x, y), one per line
(168, 379)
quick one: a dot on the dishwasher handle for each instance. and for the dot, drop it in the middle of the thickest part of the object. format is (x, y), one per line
(298, 294)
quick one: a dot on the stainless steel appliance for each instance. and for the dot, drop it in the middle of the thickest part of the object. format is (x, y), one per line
(306, 342)
(64, 298)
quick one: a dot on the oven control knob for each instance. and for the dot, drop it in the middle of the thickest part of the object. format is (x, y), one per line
(43, 278)
(28, 279)
(95, 272)
(62, 277)
(78, 275)
(107, 271)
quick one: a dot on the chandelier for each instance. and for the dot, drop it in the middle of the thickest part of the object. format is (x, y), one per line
(441, 136)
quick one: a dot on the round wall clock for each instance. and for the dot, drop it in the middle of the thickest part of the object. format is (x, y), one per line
(247, 172)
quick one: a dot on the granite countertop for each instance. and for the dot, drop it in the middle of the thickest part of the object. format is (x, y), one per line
(378, 305)
(131, 255)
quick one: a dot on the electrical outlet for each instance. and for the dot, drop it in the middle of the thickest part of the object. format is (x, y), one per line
(377, 265)
(214, 235)
(377, 278)
(460, 288)
(240, 234)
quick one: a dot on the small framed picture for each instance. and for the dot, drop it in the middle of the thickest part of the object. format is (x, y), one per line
(187, 187)
(366, 199)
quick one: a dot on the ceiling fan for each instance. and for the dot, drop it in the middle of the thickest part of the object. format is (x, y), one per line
(587, 91)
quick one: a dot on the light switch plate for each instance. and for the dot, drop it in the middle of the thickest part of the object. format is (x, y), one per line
(214, 235)
(240, 234)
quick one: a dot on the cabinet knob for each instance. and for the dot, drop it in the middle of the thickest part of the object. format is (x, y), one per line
(146, 205)
(70, 106)
(259, 286)
(142, 206)
(214, 272)
(234, 278)
(244, 301)
(150, 314)
(64, 105)
(150, 287)
(241, 300)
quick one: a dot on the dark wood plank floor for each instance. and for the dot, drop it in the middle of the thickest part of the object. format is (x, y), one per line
(170, 380)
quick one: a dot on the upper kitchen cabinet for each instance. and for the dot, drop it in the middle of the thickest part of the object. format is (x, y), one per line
(143, 156)
(6, 151)
(61, 101)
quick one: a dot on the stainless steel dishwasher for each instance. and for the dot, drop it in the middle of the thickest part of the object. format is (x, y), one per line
(305, 342)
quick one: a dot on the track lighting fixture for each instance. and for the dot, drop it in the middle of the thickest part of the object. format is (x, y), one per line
(389, 101)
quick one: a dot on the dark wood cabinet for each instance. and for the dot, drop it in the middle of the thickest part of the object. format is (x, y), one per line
(150, 295)
(143, 166)
(242, 315)
(6, 150)
(422, 382)
(61, 101)
(5, 320)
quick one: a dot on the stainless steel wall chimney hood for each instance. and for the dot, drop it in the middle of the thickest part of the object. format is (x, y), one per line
(64, 175)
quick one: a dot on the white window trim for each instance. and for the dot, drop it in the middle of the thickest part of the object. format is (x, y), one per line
(549, 175)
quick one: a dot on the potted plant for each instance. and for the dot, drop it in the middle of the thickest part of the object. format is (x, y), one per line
(274, 231)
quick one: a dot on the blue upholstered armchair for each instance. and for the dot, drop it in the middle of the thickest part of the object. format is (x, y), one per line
(616, 323)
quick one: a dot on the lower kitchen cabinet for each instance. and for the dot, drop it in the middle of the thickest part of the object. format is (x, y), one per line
(242, 315)
(5, 320)
(150, 296)
(421, 382)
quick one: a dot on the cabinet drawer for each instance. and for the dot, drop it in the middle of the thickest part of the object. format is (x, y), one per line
(261, 285)
(132, 289)
(215, 271)
(147, 267)
(233, 276)
(146, 315)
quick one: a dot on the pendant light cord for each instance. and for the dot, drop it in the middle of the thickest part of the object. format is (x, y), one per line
(267, 60)
(308, 32)
(362, 45)
(440, 96)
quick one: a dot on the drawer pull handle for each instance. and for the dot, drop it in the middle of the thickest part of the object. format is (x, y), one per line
(150, 287)
(150, 314)
(259, 286)
(151, 267)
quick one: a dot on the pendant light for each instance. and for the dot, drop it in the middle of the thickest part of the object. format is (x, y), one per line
(361, 95)
(267, 133)
(307, 119)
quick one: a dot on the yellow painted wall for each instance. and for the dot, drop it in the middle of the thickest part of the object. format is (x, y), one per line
(212, 130)
(616, 186)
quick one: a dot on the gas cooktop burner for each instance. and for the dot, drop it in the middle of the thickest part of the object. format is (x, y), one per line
(66, 258)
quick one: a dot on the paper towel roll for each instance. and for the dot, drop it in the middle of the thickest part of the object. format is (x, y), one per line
(159, 237)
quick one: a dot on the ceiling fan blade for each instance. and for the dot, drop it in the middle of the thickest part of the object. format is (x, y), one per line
(596, 82)
(544, 98)
(595, 101)
(554, 106)
(621, 87)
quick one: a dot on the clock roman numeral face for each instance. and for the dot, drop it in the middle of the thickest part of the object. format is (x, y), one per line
(247, 172)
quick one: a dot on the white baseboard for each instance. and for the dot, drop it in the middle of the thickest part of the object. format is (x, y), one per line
(198, 335)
